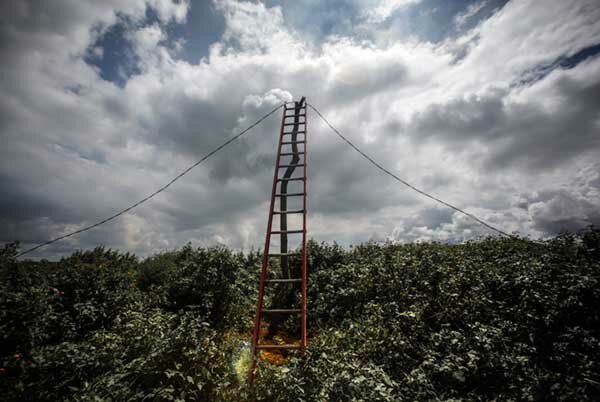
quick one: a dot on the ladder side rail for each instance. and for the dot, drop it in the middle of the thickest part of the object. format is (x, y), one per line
(305, 231)
(265, 260)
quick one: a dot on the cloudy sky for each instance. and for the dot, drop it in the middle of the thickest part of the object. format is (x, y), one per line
(493, 106)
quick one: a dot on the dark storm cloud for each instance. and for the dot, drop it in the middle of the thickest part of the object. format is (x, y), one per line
(350, 185)
(555, 211)
(435, 217)
(523, 133)
(246, 167)
(471, 118)
(556, 137)
(189, 125)
(429, 224)
(197, 208)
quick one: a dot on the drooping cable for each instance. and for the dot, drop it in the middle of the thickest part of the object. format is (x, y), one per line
(377, 165)
(179, 176)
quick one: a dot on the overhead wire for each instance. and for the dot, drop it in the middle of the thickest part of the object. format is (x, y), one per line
(232, 139)
(404, 182)
(161, 189)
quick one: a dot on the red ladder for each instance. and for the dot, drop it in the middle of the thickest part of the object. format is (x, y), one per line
(293, 125)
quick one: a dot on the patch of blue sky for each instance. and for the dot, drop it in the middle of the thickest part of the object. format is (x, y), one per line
(113, 55)
(203, 27)
(565, 62)
(317, 19)
(429, 20)
(436, 20)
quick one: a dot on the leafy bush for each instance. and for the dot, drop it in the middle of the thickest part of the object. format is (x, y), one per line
(496, 319)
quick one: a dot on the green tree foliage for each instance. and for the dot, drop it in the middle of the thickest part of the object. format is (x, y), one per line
(495, 319)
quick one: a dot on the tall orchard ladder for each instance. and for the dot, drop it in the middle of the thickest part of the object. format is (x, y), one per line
(292, 143)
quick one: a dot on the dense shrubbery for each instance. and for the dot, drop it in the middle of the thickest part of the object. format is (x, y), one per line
(497, 319)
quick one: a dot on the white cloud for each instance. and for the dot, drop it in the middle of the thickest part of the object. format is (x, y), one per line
(254, 27)
(77, 148)
(170, 10)
(383, 9)
(461, 19)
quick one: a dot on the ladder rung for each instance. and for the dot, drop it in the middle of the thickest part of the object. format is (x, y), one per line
(289, 195)
(284, 254)
(300, 211)
(283, 280)
(292, 153)
(303, 132)
(293, 108)
(294, 142)
(288, 346)
(294, 115)
(291, 179)
(291, 165)
(282, 310)
(294, 124)
(287, 231)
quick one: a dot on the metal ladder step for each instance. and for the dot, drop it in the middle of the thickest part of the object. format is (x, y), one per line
(292, 153)
(291, 165)
(293, 142)
(284, 254)
(288, 346)
(283, 280)
(299, 211)
(294, 115)
(282, 311)
(287, 231)
(289, 195)
(303, 132)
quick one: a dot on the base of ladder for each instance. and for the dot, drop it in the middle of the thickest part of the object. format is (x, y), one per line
(289, 346)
